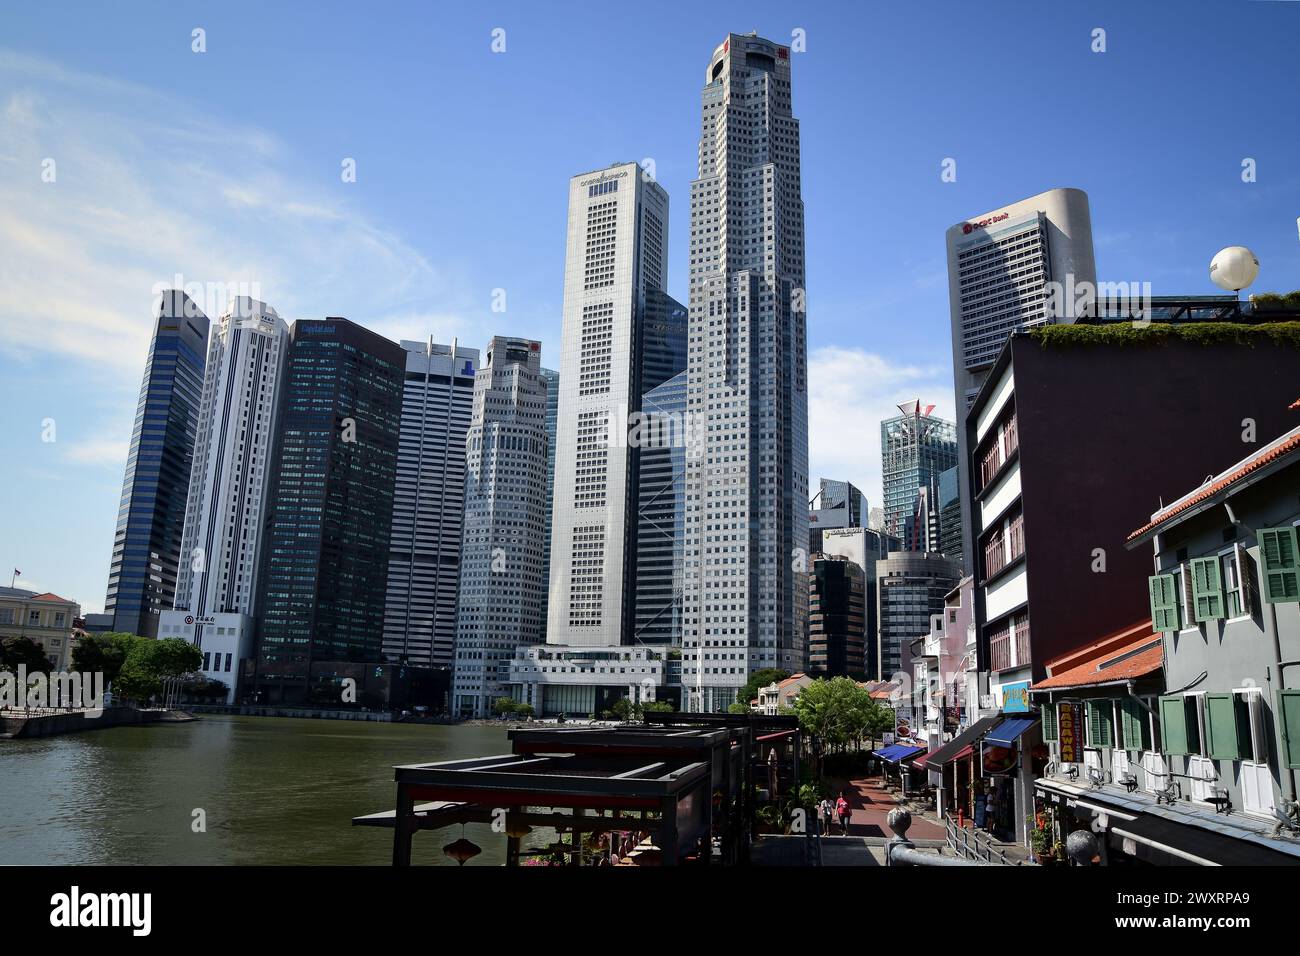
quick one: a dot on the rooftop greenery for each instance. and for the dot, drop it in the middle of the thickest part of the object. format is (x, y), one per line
(1194, 333)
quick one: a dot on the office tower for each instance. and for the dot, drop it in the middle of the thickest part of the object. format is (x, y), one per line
(747, 492)
(621, 336)
(661, 515)
(552, 379)
(428, 505)
(151, 516)
(216, 587)
(502, 580)
(837, 504)
(951, 533)
(836, 619)
(324, 567)
(1003, 266)
(863, 547)
(915, 447)
(910, 586)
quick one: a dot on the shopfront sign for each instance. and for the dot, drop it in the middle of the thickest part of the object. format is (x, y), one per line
(1015, 698)
(1070, 732)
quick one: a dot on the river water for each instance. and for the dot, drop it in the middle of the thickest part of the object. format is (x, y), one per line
(274, 791)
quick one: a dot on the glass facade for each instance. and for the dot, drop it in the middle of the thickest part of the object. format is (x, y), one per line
(325, 561)
(915, 447)
(151, 516)
(661, 516)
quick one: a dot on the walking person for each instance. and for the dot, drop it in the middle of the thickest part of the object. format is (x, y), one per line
(842, 810)
(828, 815)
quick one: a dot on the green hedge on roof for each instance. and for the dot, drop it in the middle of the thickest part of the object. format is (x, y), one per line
(1194, 333)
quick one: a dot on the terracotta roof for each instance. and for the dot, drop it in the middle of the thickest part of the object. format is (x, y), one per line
(50, 596)
(1124, 655)
(791, 679)
(1287, 445)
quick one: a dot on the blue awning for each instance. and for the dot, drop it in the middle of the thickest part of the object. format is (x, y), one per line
(1008, 732)
(896, 753)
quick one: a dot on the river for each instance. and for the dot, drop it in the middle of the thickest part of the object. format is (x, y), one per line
(274, 791)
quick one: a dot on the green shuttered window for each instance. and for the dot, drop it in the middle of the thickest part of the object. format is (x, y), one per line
(1164, 602)
(1099, 721)
(1280, 565)
(1288, 709)
(1221, 725)
(1207, 589)
(1173, 725)
(1134, 724)
(1049, 722)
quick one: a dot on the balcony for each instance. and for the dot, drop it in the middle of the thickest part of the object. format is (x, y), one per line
(1004, 446)
(1000, 651)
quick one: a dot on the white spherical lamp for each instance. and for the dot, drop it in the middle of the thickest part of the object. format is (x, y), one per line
(1234, 268)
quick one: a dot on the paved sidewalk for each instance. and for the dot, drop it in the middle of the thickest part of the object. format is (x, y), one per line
(869, 805)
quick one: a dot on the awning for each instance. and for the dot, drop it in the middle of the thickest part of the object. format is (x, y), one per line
(1180, 844)
(920, 762)
(949, 751)
(963, 753)
(896, 753)
(1008, 732)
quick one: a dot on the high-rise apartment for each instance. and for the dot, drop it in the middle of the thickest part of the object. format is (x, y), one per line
(428, 504)
(746, 604)
(621, 337)
(151, 516)
(216, 587)
(916, 446)
(502, 580)
(324, 569)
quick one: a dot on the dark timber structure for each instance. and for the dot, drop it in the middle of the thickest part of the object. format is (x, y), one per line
(688, 779)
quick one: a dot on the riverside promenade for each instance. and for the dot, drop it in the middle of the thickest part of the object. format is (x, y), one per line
(48, 722)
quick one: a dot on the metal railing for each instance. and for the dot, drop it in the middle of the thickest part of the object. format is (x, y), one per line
(971, 846)
(900, 851)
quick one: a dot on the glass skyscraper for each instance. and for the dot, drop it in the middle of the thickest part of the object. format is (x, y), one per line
(915, 448)
(151, 516)
(324, 568)
(661, 516)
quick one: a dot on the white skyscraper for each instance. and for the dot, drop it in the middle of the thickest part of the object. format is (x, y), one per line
(428, 504)
(217, 584)
(745, 598)
(502, 580)
(615, 265)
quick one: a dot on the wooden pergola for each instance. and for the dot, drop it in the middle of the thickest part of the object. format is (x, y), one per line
(687, 781)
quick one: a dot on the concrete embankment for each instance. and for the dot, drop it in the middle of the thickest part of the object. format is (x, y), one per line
(17, 725)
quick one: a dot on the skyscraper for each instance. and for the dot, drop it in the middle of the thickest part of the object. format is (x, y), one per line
(216, 586)
(552, 379)
(324, 570)
(836, 619)
(428, 504)
(621, 336)
(502, 580)
(915, 448)
(1001, 265)
(151, 516)
(837, 504)
(661, 515)
(746, 605)
(910, 586)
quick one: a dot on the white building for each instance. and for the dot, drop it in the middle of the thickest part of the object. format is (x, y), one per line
(616, 255)
(502, 580)
(216, 589)
(557, 679)
(745, 604)
(428, 504)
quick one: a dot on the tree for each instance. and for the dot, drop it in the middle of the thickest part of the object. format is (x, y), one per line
(657, 707)
(16, 651)
(505, 705)
(174, 656)
(102, 653)
(138, 679)
(837, 712)
(621, 709)
(738, 708)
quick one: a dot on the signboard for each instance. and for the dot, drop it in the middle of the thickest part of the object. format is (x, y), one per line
(1015, 697)
(1070, 731)
(200, 619)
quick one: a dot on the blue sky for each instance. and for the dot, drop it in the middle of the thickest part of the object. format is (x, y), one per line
(224, 167)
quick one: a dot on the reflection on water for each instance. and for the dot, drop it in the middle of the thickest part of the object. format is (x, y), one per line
(275, 791)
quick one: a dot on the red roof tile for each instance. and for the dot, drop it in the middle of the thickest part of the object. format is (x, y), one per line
(1288, 444)
(1125, 655)
(50, 596)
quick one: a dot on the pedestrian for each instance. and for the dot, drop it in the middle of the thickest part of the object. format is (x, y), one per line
(828, 814)
(842, 809)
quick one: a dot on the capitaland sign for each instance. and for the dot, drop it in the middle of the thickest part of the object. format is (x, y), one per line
(969, 227)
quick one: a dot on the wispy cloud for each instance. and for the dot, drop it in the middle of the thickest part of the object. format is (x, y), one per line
(850, 392)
